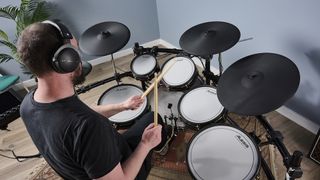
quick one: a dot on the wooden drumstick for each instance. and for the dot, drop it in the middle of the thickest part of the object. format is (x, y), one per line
(155, 115)
(158, 79)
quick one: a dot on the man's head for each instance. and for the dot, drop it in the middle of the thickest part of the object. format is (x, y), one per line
(39, 46)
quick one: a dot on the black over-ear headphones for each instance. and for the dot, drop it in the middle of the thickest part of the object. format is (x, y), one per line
(66, 59)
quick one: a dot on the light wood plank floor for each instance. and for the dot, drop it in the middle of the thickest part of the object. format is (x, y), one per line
(295, 137)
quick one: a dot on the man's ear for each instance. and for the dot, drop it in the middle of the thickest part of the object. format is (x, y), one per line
(74, 42)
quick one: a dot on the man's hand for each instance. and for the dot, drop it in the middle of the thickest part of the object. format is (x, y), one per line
(151, 136)
(132, 103)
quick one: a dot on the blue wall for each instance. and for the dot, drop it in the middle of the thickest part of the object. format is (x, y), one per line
(140, 16)
(287, 27)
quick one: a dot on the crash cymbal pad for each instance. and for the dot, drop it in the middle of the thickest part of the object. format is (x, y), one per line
(104, 38)
(209, 38)
(258, 84)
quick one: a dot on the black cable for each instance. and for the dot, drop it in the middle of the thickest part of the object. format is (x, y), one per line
(245, 127)
(7, 156)
(220, 64)
(255, 125)
(199, 60)
(18, 158)
(4, 117)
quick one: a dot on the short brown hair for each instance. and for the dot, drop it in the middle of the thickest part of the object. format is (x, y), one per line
(36, 47)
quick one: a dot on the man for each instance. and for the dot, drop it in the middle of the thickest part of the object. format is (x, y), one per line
(77, 141)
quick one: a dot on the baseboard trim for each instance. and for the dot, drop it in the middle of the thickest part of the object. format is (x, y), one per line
(121, 53)
(299, 119)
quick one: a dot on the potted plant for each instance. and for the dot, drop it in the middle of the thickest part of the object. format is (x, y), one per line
(28, 12)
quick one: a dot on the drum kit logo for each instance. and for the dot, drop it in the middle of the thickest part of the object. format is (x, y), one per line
(239, 138)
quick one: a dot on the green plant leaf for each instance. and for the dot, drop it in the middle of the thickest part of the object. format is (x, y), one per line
(25, 3)
(12, 47)
(28, 12)
(4, 35)
(9, 12)
(31, 11)
(41, 12)
(9, 44)
(5, 58)
(22, 21)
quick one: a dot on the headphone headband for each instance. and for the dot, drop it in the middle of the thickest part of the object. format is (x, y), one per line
(65, 33)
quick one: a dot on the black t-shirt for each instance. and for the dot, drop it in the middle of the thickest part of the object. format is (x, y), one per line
(76, 141)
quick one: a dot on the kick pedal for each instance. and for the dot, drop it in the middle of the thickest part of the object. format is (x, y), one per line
(173, 120)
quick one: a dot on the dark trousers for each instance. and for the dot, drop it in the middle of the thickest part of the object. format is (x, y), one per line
(133, 137)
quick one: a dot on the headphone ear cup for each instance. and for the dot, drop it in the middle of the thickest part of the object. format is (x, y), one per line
(66, 59)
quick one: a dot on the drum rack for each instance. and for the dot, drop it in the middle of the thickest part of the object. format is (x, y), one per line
(117, 78)
(209, 76)
(139, 50)
(291, 162)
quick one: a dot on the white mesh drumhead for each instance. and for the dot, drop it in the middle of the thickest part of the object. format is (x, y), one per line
(200, 105)
(119, 94)
(180, 73)
(143, 64)
(222, 152)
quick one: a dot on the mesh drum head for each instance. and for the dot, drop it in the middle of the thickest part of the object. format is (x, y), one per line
(222, 152)
(180, 73)
(144, 64)
(120, 93)
(200, 105)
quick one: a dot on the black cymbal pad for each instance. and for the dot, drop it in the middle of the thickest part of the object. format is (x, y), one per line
(104, 38)
(258, 84)
(209, 38)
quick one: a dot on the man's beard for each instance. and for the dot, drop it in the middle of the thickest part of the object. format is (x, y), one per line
(79, 77)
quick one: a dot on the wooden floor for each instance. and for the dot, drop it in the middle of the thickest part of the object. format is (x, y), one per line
(295, 137)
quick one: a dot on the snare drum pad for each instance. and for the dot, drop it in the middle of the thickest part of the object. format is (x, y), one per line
(120, 93)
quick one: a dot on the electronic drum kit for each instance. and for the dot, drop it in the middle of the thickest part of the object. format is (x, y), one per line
(252, 86)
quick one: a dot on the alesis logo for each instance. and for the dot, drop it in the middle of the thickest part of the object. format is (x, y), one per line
(121, 89)
(241, 140)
